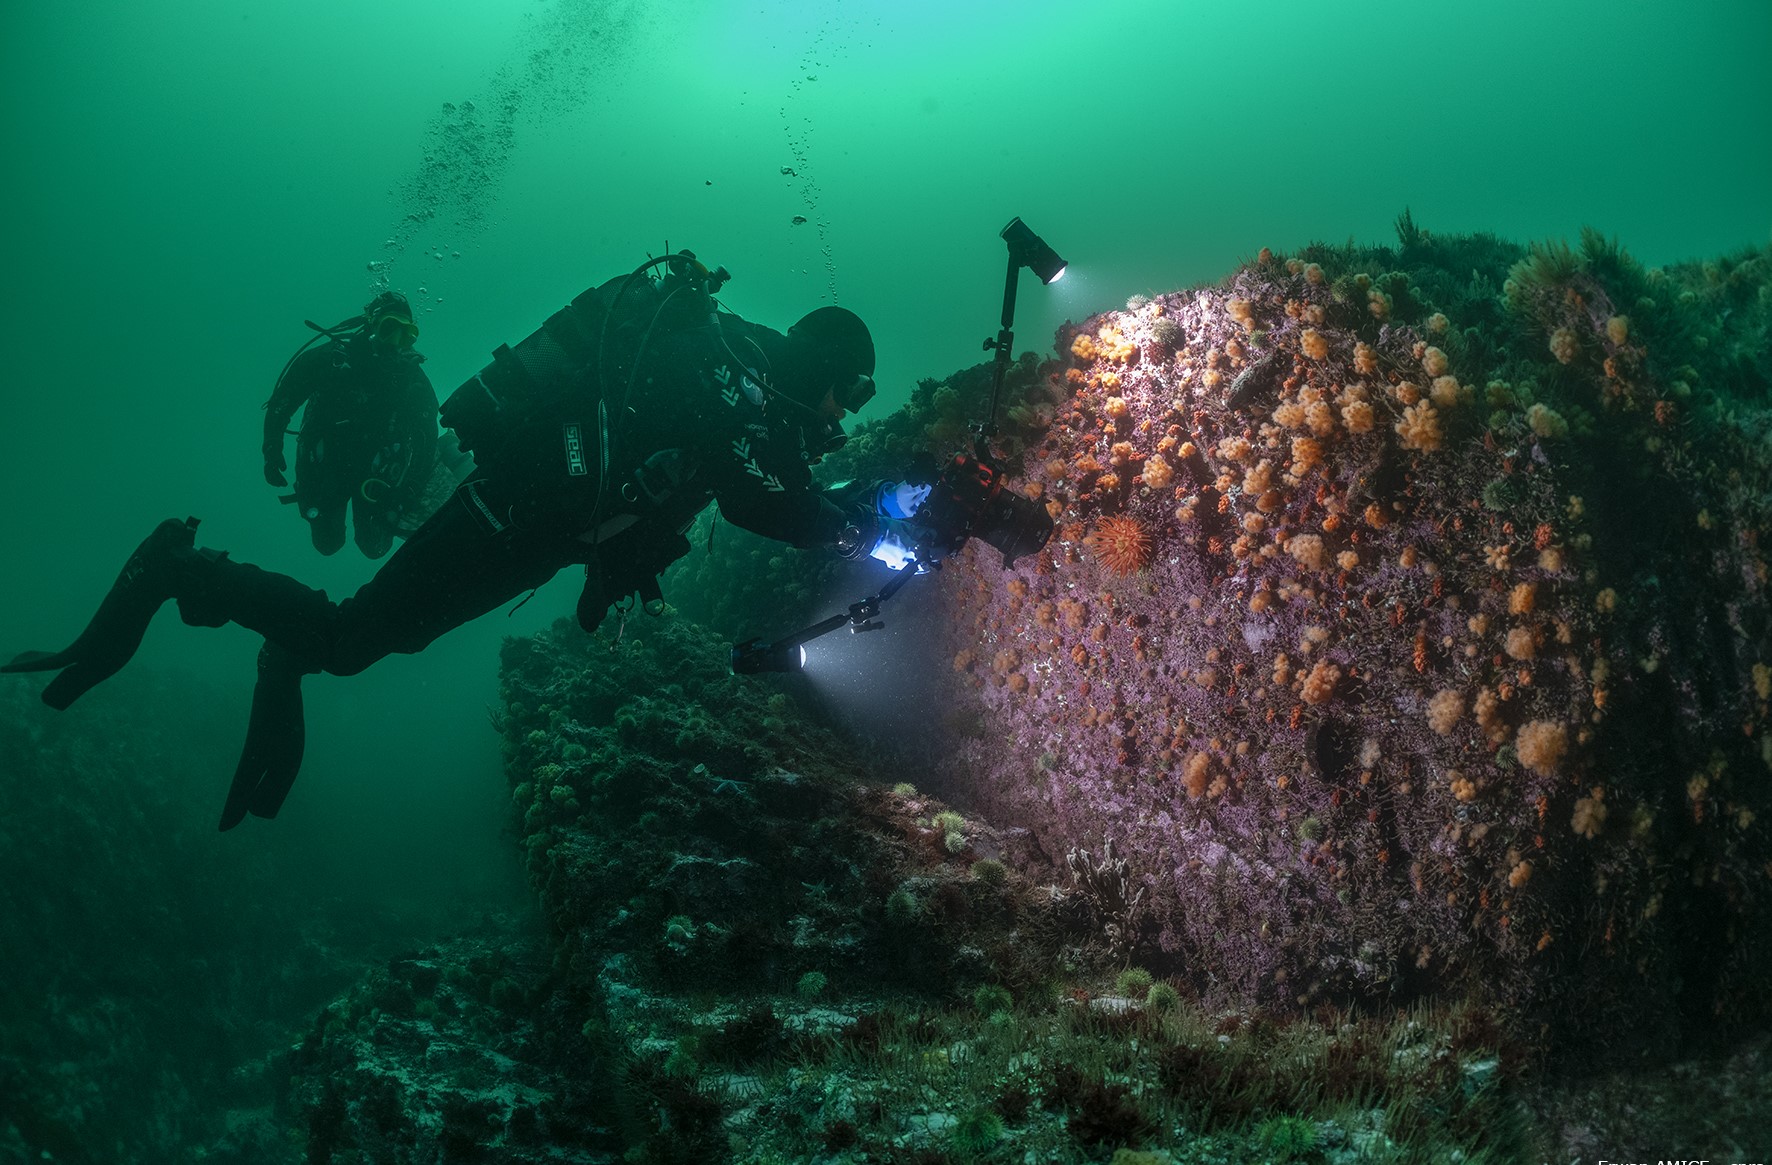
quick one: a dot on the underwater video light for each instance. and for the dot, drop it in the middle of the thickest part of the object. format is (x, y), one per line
(1026, 249)
(789, 653)
(754, 656)
(1029, 250)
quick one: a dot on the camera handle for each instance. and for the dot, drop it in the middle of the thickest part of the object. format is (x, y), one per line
(787, 654)
(985, 431)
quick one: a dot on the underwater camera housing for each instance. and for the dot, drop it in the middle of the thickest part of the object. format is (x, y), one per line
(968, 501)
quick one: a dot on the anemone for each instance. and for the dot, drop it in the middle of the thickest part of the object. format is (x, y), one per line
(977, 1130)
(1547, 265)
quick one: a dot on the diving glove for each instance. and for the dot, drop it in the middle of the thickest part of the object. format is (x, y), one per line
(148, 579)
(897, 543)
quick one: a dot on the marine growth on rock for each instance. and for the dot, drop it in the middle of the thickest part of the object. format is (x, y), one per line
(1437, 654)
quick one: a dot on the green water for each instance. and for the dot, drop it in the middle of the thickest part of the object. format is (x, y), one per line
(186, 182)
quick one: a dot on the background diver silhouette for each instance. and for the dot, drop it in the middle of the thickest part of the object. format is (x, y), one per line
(368, 438)
(597, 440)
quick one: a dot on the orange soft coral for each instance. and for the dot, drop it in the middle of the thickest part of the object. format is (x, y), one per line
(1541, 744)
(1319, 685)
(1158, 473)
(1419, 428)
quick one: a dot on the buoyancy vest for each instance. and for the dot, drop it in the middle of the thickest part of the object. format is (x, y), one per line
(544, 419)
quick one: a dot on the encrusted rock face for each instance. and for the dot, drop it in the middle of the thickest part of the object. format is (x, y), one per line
(1405, 627)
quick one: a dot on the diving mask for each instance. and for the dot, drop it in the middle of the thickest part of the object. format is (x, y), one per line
(855, 394)
(392, 329)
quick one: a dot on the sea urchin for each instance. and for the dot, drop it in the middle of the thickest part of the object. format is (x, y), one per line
(1120, 544)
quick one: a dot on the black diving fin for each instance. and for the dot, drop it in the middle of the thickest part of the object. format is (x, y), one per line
(275, 737)
(147, 580)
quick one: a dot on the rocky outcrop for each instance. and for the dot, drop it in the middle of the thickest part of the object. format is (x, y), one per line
(1407, 628)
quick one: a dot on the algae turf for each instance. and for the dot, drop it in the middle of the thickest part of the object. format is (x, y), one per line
(711, 833)
(153, 976)
(465, 1051)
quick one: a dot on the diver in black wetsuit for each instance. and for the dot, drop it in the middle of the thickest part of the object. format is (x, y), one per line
(369, 428)
(597, 439)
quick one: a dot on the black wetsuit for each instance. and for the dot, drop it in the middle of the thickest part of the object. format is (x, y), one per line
(689, 422)
(696, 415)
(368, 438)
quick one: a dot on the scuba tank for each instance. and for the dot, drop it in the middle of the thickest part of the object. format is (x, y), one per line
(547, 411)
(333, 335)
(578, 351)
(359, 410)
(336, 336)
(548, 416)
(344, 328)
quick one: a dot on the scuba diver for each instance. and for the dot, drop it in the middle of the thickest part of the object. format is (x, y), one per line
(369, 430)
(597, 440)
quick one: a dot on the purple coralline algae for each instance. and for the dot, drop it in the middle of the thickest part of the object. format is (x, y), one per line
(1404, 640)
